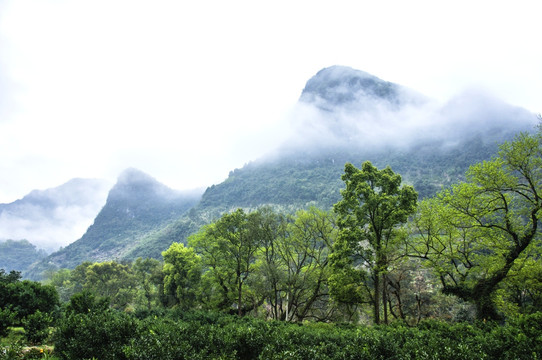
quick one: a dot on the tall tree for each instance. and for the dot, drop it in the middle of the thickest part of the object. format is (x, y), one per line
(373, 205)
(304, 256)
(149, 280)
(478, 232)
(112, 280)
(228, 247)
(182, 274)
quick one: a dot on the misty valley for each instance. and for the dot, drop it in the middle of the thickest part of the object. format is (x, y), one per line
(390, 225)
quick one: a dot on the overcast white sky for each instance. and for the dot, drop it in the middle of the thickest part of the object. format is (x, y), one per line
(189, 90)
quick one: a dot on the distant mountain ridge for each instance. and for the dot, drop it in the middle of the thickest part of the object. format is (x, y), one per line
(344, 115)
(54, 217)
(136, 205)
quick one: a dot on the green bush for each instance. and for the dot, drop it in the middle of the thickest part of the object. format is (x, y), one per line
(36, 327)
(199, 335)
(94, 335)
(162, 339)
(11, 352)
(7, 317)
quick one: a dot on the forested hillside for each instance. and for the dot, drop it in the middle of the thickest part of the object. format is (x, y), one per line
(343, 115)
(137, 205)
(18, 255)
(434, 242)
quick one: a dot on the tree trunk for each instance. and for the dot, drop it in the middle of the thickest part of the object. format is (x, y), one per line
(240, 299)
(385, 298)
(377, 298)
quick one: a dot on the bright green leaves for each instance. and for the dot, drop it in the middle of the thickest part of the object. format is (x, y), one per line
(373, 206)
(182, 274)
(228, 248)
(477, 232)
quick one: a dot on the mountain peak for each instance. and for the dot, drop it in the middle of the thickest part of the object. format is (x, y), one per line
(135, 184)
(342, 85)
(133, 175)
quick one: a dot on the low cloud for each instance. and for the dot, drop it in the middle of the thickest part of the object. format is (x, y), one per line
(374, 123)
(55, 217)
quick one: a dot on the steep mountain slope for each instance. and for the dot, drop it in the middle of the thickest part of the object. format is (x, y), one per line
(343, 115)
(54, 217)
(18, 255)
(136, 206)
(346, 115)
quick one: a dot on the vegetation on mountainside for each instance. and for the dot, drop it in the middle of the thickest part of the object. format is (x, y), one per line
(19, 255)
(137, 207)
(468, 257)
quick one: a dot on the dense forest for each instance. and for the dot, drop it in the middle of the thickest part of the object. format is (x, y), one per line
(386, 273)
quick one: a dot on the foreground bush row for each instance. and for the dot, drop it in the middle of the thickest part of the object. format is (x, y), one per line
(175, 335)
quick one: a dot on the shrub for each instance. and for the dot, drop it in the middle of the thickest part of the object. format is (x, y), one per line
(11, 352)
(94, 335)
(6, 319)
(36, 327)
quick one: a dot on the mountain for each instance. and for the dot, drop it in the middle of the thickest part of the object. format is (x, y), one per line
(346, 115)
(54, 217)
(343, 115)
(342, 86)
(136, 206)
(19, 255)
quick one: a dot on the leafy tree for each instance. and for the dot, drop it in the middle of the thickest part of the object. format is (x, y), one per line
(269, 277)
(86, 302)
(8, 278)
(479, 232)
(36, 326)
(182, 274)
(304, 255)
(26, 297)
(149, 282)
(292, 263)
(373, 205)
(7, 318)
(228, 248)
(64, 283)
(111, 280)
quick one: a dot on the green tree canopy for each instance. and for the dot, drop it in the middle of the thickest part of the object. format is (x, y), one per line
(479, 232)
(182, 274)
(373, 205)
(228, 248)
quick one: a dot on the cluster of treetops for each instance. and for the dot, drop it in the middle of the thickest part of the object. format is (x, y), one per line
(379, 256)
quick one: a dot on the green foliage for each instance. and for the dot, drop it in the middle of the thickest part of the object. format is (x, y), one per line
(19, 255)
(112, 280)
(7, 318)
(86, 302)
(213, 336)
(149, 283)
(297, 263)
(24, 298)
(228, 249)
(11, 352)
(373, 205)
(480, 232)
(36, 327)
(101, 335)
(182, 274)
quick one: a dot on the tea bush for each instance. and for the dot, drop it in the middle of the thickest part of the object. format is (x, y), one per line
(94, 335)
(199, 335)
(36, 327)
